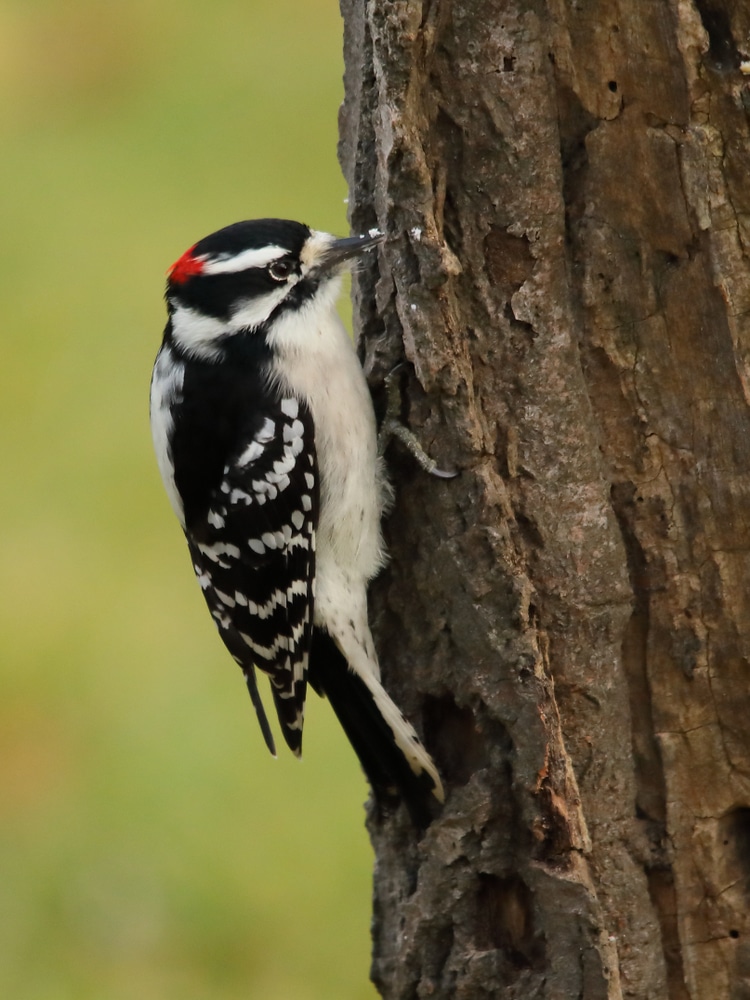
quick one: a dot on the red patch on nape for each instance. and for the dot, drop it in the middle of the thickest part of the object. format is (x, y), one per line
(185, 267)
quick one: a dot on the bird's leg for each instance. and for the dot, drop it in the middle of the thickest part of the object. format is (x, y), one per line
(392, 427)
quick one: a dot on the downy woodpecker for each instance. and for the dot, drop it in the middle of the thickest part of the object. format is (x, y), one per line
(266, 440)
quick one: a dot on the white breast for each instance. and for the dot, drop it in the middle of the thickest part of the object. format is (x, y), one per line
(318, 363)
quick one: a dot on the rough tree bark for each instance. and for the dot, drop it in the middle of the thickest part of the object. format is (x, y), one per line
(566, 190)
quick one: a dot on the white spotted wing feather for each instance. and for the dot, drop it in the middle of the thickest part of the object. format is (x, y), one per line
(254, 556)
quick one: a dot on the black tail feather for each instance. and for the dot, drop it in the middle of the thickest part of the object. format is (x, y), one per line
(238, 649)
(252, 687)
(386, 768)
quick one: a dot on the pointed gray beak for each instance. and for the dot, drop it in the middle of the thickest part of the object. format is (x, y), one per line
(343, 250)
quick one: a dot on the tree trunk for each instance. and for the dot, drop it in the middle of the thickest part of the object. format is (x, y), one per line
(566, 191)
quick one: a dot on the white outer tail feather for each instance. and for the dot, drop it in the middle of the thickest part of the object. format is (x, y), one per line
(404, 734)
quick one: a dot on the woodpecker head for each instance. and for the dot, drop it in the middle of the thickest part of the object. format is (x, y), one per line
(245, 276)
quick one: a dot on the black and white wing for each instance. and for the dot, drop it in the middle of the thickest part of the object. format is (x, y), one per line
(254, 556)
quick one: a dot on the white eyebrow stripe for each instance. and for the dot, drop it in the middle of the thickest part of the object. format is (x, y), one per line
(257, 257)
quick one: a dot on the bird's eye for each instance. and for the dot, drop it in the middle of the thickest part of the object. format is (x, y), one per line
(280, 269)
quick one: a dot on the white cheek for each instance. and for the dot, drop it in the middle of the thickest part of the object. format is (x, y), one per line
(199, 335)
(254, 312)
(195, 332)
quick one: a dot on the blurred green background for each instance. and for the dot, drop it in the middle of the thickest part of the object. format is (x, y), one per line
(149, 846)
